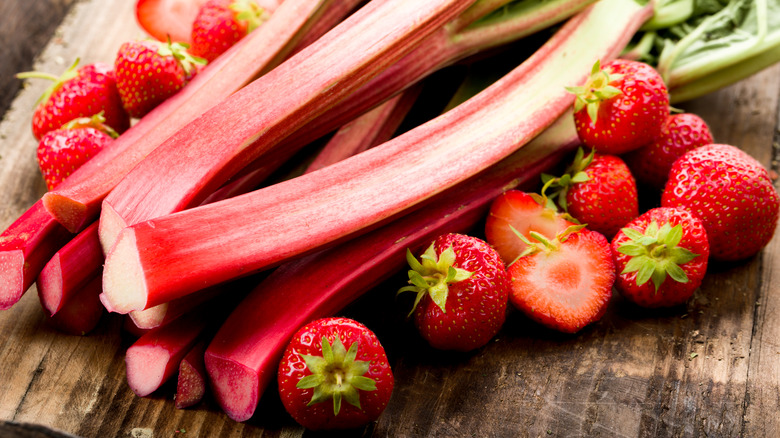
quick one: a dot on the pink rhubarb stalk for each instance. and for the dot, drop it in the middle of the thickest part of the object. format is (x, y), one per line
(243, 356)
(165, 258)
(25, 247)
(77, 203)
(204, 154)
(82, 313)
(372, 128)
(192, 380)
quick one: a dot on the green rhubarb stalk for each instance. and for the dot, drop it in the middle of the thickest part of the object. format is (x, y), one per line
(164, 258)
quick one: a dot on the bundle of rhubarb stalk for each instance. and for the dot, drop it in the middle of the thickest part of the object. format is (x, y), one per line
(243, 187)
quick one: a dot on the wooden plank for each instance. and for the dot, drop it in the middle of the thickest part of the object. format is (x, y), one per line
(705, 369)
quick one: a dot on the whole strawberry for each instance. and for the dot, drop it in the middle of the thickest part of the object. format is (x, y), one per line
(514, 212)
(621, 107)
(731, 193)
(62, 151)
(149, 72)
(661, 257)
(564, 283)
(334, 374)
(462, 288)
(597, 190)
(222, 23)
(80, 92)
(682, 132)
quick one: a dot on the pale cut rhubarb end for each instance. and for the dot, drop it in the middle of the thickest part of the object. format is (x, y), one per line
(234, 386)
(145, 368)
(12, 278)
(50, 286)
(110, 225)
(124, 286)
(71, 214)
(149, 318)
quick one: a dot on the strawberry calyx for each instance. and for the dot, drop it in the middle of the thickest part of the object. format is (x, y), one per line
(249, 12)
(98, 121)
(559, 186)
(179, 52)
(541, 243)
(656, 254)
(67, 75)
(598, 88)
(432, 274)
(336, 375)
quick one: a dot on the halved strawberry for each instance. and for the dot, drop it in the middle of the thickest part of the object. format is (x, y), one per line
(564, 283)
(517, 211)
(164, 19)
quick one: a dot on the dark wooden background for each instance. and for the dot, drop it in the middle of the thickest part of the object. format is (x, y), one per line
(707, 369)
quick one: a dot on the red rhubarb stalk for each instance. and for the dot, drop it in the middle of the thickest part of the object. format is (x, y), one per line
(164, 313)
(204, 154)
(154, 357)
(191, 382)
(165, 258)
(76, 203)
(25, 247)
(243, 355)
(82, 313)
(372, 128)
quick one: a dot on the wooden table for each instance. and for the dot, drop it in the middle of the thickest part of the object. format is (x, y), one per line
(706, 369)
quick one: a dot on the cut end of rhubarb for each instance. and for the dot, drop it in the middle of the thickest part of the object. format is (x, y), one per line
(124, 286)
(190, 387)
(111, 224)
(50, 286)
(11, 278)
(149, 318)
(145, 370)
(71, 214)
(235, 387)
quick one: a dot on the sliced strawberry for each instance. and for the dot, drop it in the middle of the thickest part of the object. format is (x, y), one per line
(163, 19)
(564, 283)
(524, 213)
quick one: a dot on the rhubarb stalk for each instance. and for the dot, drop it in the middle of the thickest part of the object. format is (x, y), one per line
(243, 356)
(165, 258)
(204, 154)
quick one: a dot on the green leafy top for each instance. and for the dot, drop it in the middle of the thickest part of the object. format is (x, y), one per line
(596, 89)
(251, 12)
(336, 375)
(541, 243)
(559, 186)
(655, 253)
(182, 56)
(432, 275)
(67, 75)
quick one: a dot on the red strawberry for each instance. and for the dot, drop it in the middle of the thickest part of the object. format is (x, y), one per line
(78, 93)
(331, 361)
(731, 193)
(515, 212)
(661, 241)
(682, 132)
(564, 283)
(221, 23)
(62, 151)
(621, 107)
(462, 288)
(597, 190)
(167, 19)
(148, 72)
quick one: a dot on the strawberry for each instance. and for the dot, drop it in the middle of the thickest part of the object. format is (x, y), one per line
(731, 193)
(682, 132)
(514, 212)
(221, 23)
(564, 283)
(62, 151)
(148, 72)
(620, 107)
(462, 289)
(661, 257)
(329, 361)
(167, 19)
(597, 190)
(78, 93)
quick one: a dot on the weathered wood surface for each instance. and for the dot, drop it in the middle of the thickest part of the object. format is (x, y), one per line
(710, 368)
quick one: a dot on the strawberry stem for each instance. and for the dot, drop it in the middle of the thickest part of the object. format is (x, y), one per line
(67, 75)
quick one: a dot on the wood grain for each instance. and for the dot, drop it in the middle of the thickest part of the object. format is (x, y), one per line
(709, 368)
